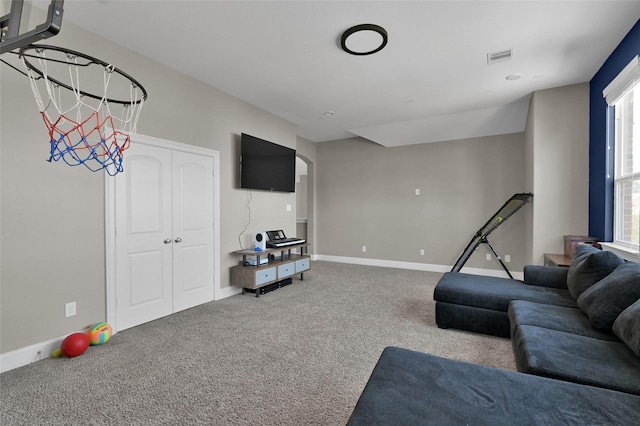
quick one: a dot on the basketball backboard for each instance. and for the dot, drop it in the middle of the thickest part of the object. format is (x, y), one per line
(26, 21)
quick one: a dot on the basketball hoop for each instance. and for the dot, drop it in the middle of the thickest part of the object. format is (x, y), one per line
(84, 128)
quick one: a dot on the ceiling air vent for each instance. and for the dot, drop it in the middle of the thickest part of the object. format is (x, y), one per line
(501, 56)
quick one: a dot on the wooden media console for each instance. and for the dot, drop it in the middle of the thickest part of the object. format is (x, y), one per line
(259, 276)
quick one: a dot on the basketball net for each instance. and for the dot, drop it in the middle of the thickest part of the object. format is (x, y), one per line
(84, 129)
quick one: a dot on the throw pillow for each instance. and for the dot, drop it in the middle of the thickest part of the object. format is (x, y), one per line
(583, 250)
(606, 299)
(590, 265)
(627, 327)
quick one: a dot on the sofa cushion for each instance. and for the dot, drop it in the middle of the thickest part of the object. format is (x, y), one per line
(575, 358)
(413, 388)
(560, 318)
(471, 318)
(494, 293)
(589, 265)
(607, 298)
(546, 276)
(627, 327)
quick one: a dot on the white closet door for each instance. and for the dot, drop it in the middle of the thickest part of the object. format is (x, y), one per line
(192, 230)
(144, 240)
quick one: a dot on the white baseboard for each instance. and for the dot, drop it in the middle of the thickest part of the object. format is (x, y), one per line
(29, 354)
(39, 351)
(42, 350)
(415, 266)
(225, 292)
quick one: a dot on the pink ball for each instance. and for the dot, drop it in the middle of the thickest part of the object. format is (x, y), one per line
(74, 344)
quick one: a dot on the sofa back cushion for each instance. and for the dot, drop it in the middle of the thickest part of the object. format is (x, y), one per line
(606, 299)
(627, 327)
(590, 265)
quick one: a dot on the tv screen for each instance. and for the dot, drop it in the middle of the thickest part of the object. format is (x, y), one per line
(266, 165)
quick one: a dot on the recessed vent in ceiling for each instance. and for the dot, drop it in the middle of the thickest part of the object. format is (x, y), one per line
(501, 56)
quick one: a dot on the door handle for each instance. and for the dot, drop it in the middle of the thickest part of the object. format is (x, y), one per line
(177, 240)
(167, 241)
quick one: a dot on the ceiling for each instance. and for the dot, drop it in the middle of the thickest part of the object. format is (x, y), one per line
(430, 83)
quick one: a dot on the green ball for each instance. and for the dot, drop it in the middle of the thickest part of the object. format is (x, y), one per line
(57, 353)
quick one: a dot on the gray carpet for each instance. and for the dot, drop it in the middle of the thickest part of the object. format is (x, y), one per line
(300, 355)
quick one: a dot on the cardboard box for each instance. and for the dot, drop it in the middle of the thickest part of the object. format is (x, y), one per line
(571, 241)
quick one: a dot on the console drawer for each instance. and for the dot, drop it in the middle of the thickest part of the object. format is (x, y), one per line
(286, 269)
(265, 275)
(302, 265)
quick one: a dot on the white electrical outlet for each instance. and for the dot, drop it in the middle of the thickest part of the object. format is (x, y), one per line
(417, 191)
(507, 258)
(488, 256)
(70, 309)
(364, 249)
(421, 252)
(288, 207)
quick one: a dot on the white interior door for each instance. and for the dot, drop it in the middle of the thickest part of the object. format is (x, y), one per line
(164, 234)
(143, 237)
(192, 230)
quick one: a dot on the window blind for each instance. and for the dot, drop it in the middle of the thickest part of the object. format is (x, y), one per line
(619, 86)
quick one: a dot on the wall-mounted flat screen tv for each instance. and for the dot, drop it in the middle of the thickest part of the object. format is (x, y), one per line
(266, 165)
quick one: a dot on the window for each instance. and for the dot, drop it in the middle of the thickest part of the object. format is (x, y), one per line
(623, 94)
(627, 169)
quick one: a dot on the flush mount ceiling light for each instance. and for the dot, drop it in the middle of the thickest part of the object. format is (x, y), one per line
(364, 39)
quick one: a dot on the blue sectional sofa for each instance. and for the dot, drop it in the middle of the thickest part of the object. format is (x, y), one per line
(575, 334)
(414, 388)
(480, 304)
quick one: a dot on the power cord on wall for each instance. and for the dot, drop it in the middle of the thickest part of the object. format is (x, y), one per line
(248, 222)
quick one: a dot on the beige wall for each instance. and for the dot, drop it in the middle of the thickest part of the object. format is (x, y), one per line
(52, 216)
(558, 166)
(366, 197)
(307, 150)
(528, 178)
(366, 193)
(301, 197)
